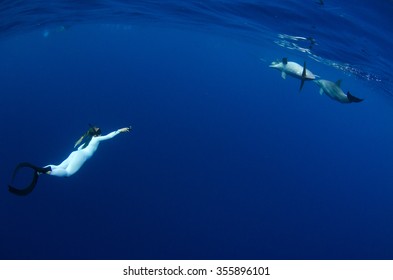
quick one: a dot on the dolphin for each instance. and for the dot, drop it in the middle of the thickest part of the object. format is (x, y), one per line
(334, 91)
(293, 69)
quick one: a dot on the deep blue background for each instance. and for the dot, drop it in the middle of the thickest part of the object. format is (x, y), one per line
(225, 160)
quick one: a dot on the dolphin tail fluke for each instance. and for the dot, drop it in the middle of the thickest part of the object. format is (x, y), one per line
(303, 76)
(352, 98)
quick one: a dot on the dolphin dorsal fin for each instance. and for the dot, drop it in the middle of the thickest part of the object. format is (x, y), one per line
(303, 77)
(301, 85)
(285, 61)
(304, 71)
(338, 83)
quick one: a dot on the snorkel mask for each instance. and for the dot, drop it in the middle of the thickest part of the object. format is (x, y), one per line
(94, 131)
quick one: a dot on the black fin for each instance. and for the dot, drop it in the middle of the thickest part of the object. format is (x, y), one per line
(303, 77)
(285, 61)
(301, 85)
(27, 190)
(34, 181)
(352, 98)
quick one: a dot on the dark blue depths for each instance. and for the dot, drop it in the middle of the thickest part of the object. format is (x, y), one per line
(226, 160)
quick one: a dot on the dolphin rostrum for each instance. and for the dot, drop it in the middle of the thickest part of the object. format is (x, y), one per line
(293, 69)
(334, 91)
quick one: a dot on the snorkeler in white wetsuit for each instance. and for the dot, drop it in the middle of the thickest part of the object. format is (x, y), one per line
(77, 158)
(86, 147)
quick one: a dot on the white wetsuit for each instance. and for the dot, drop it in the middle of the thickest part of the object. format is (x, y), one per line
(77, 158)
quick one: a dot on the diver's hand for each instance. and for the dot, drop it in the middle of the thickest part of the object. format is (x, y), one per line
(125, 129)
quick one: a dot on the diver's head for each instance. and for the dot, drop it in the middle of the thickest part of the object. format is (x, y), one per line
(94, 131)
(85, 139)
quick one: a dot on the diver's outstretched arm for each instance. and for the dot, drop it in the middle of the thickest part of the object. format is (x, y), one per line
(125, 129)
(113, 134)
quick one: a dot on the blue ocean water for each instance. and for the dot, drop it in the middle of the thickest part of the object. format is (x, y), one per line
(226, 160)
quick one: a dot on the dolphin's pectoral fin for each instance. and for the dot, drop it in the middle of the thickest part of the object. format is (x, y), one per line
(338, 83)
(283, 75)
(321, 91)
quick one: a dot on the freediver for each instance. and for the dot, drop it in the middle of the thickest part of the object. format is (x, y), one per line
(85, 148)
